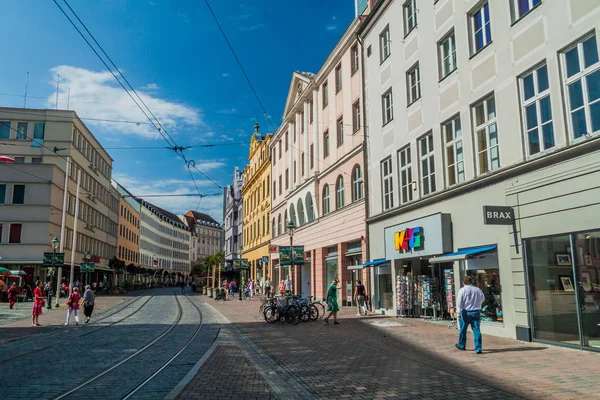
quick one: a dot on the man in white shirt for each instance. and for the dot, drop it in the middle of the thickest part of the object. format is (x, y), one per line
(288, 284)
(468, 309)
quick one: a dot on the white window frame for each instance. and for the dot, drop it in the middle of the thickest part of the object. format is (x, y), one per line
(387, 106)
(20, 135)
(355, 59)
(326, 144)
(428, 185)
(339, 193)
(326, 200)
(405, 177)
(479, 13)
(486, 128)
(387, 184)
(357, 183)
(514, 8)
(384, 44)
(413, 84)
(338, 78)
(450, 38)
(410, 16)
(536, 100)
(340, 131)
(452, 145)
(356, 116)
(580, 76)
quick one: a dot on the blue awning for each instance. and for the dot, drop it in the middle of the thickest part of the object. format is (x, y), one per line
(462, 254)
(373, 263)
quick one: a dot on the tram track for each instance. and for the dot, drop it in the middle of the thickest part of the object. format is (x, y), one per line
(71, 338)
(156, 371)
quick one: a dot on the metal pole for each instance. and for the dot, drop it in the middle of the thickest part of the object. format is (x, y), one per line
(49, 306)
(62, 230)
(292, 259)
(74, 246)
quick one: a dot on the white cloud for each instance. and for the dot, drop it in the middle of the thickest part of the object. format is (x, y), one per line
(251, 27)
(225, 137)
(331, 27)
(97, 95)
(207, 165)
(225, 74)
(183, 17)
(150, 86)
(211, 205)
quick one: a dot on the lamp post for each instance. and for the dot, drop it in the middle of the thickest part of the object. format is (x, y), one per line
(55, 243)
(290, 227)
(240, 281)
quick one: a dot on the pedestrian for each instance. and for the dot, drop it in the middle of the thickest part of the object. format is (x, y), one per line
(73, 306)
(88, 303)
(251, 289)
(231, 288)
(281, 288)
(12, 295)
(288, 285)
(359, 297)
(94, 286)
(268, 287)
(38, 304)
(468, 309)
(332, 304)
(182, 288)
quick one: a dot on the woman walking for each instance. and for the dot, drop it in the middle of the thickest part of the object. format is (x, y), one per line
(38, 303)
(88, 303)
(359, 297)
(332, 304)
(73, 304)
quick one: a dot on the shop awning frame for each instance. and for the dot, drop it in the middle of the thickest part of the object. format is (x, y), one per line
(462, 254)
(373, 263)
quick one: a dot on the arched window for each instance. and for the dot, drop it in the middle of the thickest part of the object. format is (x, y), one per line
(285, 220)
(326, 207)
(310, 211)
(293, 214)
(274, 230)
(278, 225)
(339, 198)
(357, 183)
(301, 220)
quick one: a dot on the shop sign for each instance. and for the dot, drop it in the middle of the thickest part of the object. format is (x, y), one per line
(497, 215)
(59, 260)
(274, 249)
(408, 239)
(265, 259)
(284, 255)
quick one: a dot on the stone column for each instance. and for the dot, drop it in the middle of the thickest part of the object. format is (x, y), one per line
(316, 131)
(297, 148)
(320, 286)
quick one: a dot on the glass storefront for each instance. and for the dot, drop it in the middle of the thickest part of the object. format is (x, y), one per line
(275, 281)
(485, 272)
(564, 288)
(331, 271)
(385, 287)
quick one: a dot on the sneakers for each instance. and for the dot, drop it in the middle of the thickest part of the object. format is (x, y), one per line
(358, 314)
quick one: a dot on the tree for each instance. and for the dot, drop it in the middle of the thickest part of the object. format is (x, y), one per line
(116, 264)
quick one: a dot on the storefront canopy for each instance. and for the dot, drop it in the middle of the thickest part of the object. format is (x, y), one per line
(373, 263)
(462, 254)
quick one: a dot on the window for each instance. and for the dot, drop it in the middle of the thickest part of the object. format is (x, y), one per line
(447, 55)
(340, 131)
(356, 116)
(455, 165)
(279, 148)
(274, 188)
(274, 155)
(384, 44)
(274, 230)
(280, 184)
(519, 8)
(326, 144)
(410, 16)
(481, 31)
(36, 160)
(22, 131)
(312, 156)
(2, 193)
(369, 51)
(279, 225)
(287, 140)
(18, 194)
(387, 106)
(413, 83)
(537, 111)
(387, 184)
(405, 172)
(325, 90)
(310, 112)
(357, 183)
(294, 171)
(338, 78)
(326, 207)
(484, 115)
(355, 58)
(287, 178)
(302, 164)
(339, 198)
(582, 79)
(15, 233)
(39, 130)
(427, 164)
(4, 129)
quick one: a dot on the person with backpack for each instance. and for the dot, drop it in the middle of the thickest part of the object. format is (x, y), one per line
(359, 296)
(73, 306)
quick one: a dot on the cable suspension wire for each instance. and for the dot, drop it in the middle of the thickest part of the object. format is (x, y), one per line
(140, 147)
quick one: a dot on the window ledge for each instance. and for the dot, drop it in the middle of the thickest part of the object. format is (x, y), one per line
(413, 102)
(385, 59)
(386, 123)
(525, 15)
(354, 71)
(451, 73)
(410, 31)
(481, 50)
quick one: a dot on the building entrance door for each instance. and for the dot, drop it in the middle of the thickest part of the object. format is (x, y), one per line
(305, 280)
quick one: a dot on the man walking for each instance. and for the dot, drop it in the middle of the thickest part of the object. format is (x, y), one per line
(468, 309)
(288, 285)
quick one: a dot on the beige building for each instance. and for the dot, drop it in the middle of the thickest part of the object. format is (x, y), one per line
(256, 200)
(482, 152)
(41, 141)
(128, 241)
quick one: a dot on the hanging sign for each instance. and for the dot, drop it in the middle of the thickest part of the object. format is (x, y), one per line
(284, 255)
(496, 215)
(265, 259)
(273, 249)
(59, 260)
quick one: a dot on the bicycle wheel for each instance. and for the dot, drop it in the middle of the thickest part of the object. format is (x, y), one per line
(292, 315)
(314, 312)
(305, 313)
(271, 314)
(320, 308)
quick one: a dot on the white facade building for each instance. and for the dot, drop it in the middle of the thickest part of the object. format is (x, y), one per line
(205, 235)
(471, 104)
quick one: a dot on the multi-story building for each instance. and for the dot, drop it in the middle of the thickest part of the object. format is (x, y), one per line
(205, 235)
(233, 218)
(317, 172)
(483, 122)
(128, 241)
(257, 205)
(164, 240)
(41, 142)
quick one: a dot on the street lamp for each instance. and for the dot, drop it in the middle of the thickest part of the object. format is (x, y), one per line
(290, 227)
(55, 243)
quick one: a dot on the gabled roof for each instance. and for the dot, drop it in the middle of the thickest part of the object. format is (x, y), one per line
(202, 219)
(300, 80)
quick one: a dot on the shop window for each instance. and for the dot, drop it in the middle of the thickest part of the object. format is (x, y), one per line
(486, 276)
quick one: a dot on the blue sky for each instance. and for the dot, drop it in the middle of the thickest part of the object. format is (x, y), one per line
(174, 55)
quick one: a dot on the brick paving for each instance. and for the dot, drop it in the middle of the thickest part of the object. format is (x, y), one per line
(383, 357)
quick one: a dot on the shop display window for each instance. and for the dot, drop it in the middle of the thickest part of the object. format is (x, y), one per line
(331, 272)
(488, 280)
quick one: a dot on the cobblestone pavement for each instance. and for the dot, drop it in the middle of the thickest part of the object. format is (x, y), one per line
(382, 357)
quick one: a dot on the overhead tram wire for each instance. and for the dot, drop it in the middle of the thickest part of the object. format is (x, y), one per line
(2, 142)
(159, 128)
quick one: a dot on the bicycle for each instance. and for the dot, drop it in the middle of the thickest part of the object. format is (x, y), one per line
(276, 311)
(318, 305)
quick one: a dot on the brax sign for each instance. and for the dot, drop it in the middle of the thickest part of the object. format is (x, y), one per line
(496, 215)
